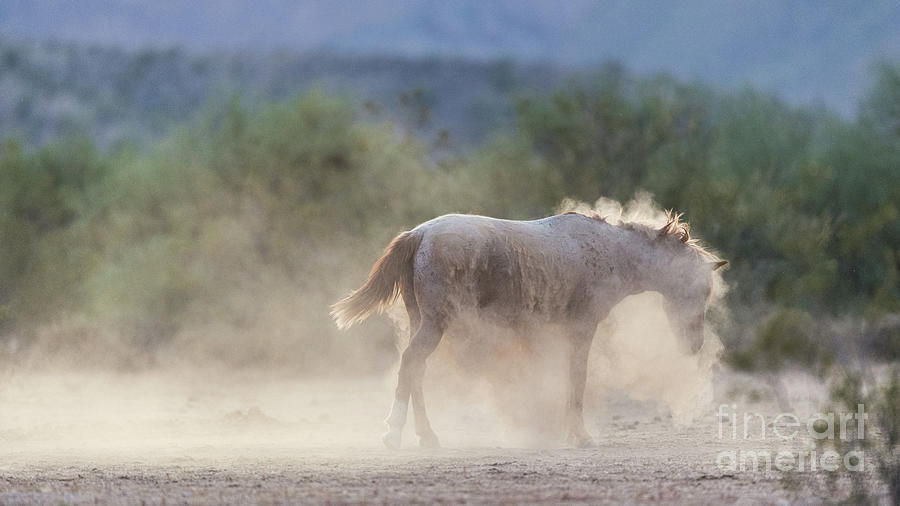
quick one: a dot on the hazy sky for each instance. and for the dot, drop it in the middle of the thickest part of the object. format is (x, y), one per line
(805, 50)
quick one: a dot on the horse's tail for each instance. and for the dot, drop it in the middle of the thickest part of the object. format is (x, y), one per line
(393, 270)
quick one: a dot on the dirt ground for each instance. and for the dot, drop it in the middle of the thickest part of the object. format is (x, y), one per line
(183, 439)
(224, 476)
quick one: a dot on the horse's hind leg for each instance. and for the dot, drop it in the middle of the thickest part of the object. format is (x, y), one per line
(409, 383)
(427, 437)
(397, 417)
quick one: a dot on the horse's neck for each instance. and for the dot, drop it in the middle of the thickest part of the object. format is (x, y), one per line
(642, 265)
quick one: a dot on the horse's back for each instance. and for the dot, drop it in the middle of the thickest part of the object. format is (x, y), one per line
(499, 266)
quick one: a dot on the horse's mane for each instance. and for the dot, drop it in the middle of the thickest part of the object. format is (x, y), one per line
(673, 230)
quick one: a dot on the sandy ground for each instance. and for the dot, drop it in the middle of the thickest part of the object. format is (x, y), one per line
(186, 439)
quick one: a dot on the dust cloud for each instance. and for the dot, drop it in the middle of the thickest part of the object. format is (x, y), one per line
(226, 382)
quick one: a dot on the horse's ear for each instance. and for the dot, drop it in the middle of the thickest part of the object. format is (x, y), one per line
(685, 233)
(717, 265)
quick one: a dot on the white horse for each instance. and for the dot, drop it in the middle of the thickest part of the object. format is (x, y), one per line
(569, 270)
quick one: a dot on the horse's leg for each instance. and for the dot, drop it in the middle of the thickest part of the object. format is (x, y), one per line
(427, 437)
(409, 380)
(579, 350)
(412, 309)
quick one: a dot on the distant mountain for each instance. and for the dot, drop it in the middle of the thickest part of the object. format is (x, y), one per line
(48, 89)
(806, 50)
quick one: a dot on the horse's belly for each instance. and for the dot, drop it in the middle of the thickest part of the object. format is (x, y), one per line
(510, 304)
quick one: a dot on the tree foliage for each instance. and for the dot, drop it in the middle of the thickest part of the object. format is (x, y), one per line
(247, 219)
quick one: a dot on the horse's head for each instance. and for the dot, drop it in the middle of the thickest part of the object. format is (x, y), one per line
(685, 305)
(687, 285)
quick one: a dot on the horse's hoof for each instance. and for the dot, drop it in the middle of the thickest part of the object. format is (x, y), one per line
(392, 439)
(429, 441)
(586, 443)
(583, 441)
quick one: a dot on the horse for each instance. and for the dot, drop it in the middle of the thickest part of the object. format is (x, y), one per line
(567, 270)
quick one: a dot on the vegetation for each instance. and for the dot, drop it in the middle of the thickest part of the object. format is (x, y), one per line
(232, 234)
(877, 391)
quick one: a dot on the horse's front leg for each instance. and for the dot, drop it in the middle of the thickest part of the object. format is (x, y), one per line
(579, 349)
